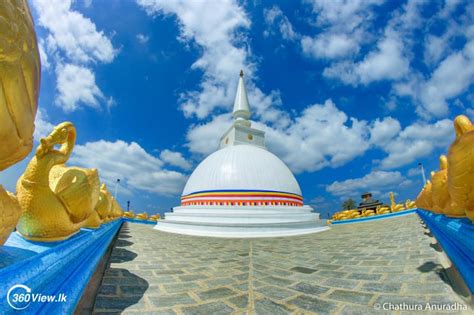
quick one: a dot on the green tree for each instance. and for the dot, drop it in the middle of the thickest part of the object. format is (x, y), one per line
(349, 204)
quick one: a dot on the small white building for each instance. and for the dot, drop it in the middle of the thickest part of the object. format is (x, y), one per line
(242, 190)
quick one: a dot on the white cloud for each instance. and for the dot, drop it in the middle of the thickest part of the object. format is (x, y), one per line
(386, 62)
(379, 180)
(383, 131)
(75, 35)
(329, 46)
(136, 168)
(321, 136)
(76, 86)
(142, 39)
(415, 141)
(204, 138)
(73, 46)
(43, 56)
(342, 27)
(273, 16)
(216, 29)
(175, 159)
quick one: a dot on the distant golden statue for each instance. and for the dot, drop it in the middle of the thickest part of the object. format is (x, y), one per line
(104, 205)
(154, 217)
(395, 207)
(142, 216)
(461, 169)
(117, 211)
(425, 197)
(440, 194)
(20, 79)
(129, 214)
(56, 199)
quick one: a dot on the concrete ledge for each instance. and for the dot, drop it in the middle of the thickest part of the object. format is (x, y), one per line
(53, 268)
(138, 221)
(456, 236)
(375, 217)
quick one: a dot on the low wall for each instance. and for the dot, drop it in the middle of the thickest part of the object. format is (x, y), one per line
(58, 269)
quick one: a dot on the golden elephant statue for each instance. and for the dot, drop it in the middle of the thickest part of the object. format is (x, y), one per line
(425, 197)
(103, 210)
(395, 207)
(410, 204)
(461, 170)
(104, 205)
(129, 214)
(441, 202)
(117, 211)
(56, 200)
(142, 216)
(154, 217)
(20, 78)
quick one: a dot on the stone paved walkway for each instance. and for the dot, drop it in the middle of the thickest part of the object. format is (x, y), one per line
(346, 270)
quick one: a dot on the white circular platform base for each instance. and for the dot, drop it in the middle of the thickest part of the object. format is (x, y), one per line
(242, 221)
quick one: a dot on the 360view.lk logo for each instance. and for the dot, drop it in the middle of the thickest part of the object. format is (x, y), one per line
(20, 296)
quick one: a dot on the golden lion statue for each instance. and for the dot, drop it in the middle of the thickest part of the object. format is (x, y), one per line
(20, 78)
(56, 200)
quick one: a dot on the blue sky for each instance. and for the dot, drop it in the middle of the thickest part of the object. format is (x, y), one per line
(351, 94)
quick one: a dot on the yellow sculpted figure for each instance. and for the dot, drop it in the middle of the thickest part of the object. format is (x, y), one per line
(425, 197)
(142, 216)
(440, 195)
(394, 207)
(117, 211)
(129, 214)
(461, 169)
(154, 217)
(56, 200)
(104, 205)
(20, 78)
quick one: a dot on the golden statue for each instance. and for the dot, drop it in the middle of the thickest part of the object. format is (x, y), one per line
(394, 207)
(20, 78)
(154, 217)
(56, 200)
(439, 187)
(104, 205)
(410, 204)
(11, 212)
(117, 211)
(382, 210)
(425, 197)
(461, 170)
(129, 214)
(142, 216)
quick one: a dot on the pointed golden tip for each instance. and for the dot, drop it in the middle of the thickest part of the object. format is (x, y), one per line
(241, 73)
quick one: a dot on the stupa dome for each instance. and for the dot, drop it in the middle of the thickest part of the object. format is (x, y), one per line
(244, 168)
(242, 189)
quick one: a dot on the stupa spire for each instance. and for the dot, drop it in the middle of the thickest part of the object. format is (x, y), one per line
(241, 104)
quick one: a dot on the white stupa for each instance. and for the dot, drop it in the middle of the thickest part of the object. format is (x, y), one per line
(242, 189)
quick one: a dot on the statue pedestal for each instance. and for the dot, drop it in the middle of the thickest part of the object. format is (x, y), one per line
(52, 269)
(456, 237)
